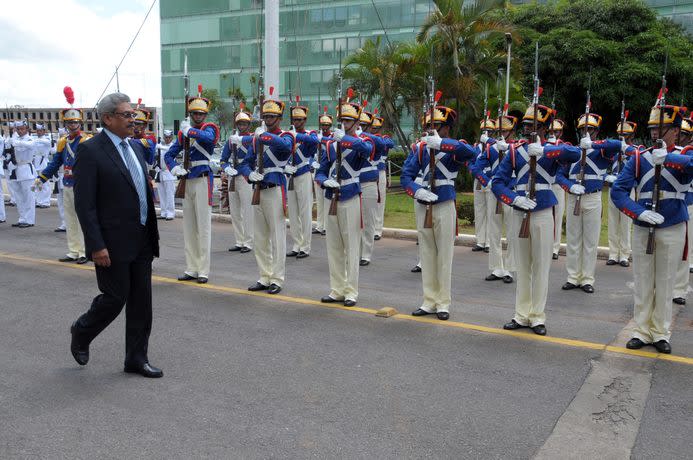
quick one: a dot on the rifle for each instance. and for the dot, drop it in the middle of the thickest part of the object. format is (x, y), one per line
(486, 117)
(583, 157)
(180, 189)
(290, 187)
(259, 155)
(433, 100)
(234, 147)
(338, 147)
(509, 43)
(532, 182)
(658, 168)
(624, 117)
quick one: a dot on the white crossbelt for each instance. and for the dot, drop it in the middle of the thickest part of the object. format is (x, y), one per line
(523, 187)
(664, 195)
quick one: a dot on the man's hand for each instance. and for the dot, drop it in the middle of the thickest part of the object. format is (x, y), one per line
(260, 130)
(433, 141)
(338, 134)
(610, 178)
(315, 165)
(501, 145)
(525, 203)
(651, 217)
(659, 154)
(586, 143)
(255, 176)
(330, 183)
(38, 184)
(425, 195)
(536, 149)
(179, 171)
(101, 258)
(231, 172)
(577, 189)
(483, 138)
(290, 169)
(185, 127)
(551, 139)
(235, 139)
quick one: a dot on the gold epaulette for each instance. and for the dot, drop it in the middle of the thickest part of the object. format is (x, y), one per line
(61, 144)
(85, 137)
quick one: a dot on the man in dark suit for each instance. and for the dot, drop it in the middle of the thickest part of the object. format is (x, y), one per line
(114, 204)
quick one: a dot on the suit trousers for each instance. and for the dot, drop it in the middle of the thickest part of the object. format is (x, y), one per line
(582, 238)
(300, 203)
(480, 215)
(126, 284)
(682, 273)
(73, 230)
(26, 200)
(197, 227)
(558, 212)
(343, 243)
(167, 200)
(436, 248)
(497, 263)
(620, 227)
(382, 190)
(241, 211)
(319, 194)
(533, 258)
(269, 236)
(654, 276)
(369, 208)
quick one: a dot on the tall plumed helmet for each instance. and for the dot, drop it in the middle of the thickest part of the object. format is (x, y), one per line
(199, 103)
(69, 95)
(70, 114)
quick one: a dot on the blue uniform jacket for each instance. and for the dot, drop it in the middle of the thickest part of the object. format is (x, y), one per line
(389, 144)
(149, 145)
(202, 143)
(369, 172)
(597, 162)
(356, 152)
(276, 147)
(241, 153)
(65, 154)
(306, 147)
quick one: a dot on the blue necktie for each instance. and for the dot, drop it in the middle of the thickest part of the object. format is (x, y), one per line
(140, 185)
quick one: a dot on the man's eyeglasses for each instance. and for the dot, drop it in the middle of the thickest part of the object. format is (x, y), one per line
(126, 115)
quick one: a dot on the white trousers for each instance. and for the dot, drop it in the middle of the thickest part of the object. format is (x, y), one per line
(167, 201)
(382, 190)
(197, 227)
(26, 200)
(369, 205)
(558, 212)
(480, 215)
(300, 203)
(319, 195)
(436, 248)
(682, 273)
(43, 196)
(343, 233)
(497, 263)
(653, 277)
(582, 238)
(269, 236)
(73, 230)
(620, 227)
(61, 205)
(3, 216)
(242, 212)
(533, 258)
(10, 188)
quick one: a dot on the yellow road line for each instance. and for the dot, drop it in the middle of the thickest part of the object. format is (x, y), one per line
(454, 324)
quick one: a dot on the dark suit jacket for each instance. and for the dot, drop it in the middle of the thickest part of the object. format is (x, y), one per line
(106, 201)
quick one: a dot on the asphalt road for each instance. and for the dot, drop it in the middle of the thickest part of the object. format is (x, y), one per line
(252, 376)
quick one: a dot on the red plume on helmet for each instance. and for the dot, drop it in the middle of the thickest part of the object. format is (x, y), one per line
(69, 95)
(199, 90)
(438, 95)
(271, 90)
(350, 94)
(139, 102)
(324, 109)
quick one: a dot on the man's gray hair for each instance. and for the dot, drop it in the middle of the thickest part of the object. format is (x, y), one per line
(110, 102)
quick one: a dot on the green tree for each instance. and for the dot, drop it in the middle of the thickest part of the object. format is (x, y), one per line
(219, 111)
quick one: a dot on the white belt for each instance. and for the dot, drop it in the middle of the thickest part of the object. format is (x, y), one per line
(199, 163)
(587, 177)
(20, 163)
(523, 187)
(273, 169)
(418, 180)
(665, 195)
(440, 182)
(345, 182)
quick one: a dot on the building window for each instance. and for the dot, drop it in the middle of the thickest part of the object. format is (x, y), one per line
(88, 115)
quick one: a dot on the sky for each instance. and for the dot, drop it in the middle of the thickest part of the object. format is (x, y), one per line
(50, 44)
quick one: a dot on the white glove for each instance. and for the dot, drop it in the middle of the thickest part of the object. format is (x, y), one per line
(38, 184)
(433, 141)
(338, 134)
(330, 183)
(179, 171)
(535, 150)
(236, 139)
(501, 145)
(255, 176)
(651, 217)
(659, 154)
(610, 179)
(624, 146)
(577, 189)
(230, 171)
(315, 165)
(483, 138)
(586, 143)
(425, 195)
(290, 169)
(359, 130)
(260, 130)
(185, 127)
(320, 136)
(551, 139)
(525, 203)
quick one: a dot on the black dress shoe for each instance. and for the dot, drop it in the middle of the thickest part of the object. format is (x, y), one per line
(512, 325)
(186, 277)
(487, 249)
(420, 312)
(539, 329)
(81, 260)
(315, 231)
(507, 279)
(679, 301)
(690, 270)
(292, 254)
(59, 230)
(323, 233)
(302, 255)
(662, 346)
(24, 225)
(235, 249)
(67, 259)
(169, 218)
(569, 286)
(245, 249)
(588, 288)
(364, 262)
(161, 218)
(274, 289)
(377, 237)
(202, 280)
(443, 315)
(492, 277)
(477, 248)
(349, 303)
(329, 299)
(554, 257)
(635, 344)
(16, 225)
(416, 269)
(145, 370)
(258, 287)
(79, 352)
(611, 262)
(624, 263)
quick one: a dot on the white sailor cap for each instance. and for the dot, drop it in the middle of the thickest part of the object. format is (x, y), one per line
(168, 132)
(99, 129)
(11, 124)
(20, 123)
(40, 126)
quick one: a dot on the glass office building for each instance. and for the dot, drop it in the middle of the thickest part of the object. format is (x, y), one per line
(222, 38)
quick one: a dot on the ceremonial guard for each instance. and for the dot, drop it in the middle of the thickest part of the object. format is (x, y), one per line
(324, 135)
(270, 149)
(166, 180)
(584, 182)
(438, 161)
(535, 166)
(300, 187)
(240, 191)
(8, 161)
(197, 203)
(554, 137)
(480, 213)
(142, 117)
(3, 216)
(42, 153)
(661, 177)
(376, 128)
(346, 154)
(22, 175)
(682, 282)
(620, 225)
